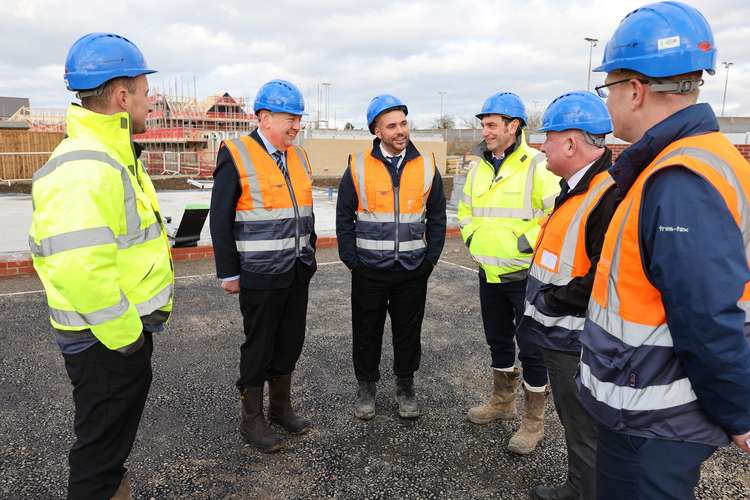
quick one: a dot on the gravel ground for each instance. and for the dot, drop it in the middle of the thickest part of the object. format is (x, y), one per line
(189, 447)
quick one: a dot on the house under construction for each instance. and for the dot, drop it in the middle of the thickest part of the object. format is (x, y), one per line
(184, 134)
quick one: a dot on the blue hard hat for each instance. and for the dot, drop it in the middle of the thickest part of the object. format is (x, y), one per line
(506, 104)
(379, 105)
(96, 58)
(660, 40)
(280, 96)
(577, 110)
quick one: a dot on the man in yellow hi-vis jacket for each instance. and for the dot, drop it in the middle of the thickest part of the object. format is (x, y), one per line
(100, 249)
(505, 198)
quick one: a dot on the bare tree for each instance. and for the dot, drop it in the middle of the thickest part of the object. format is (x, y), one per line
(444, 123)
(472, 123)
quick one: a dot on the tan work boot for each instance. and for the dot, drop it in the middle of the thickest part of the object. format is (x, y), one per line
(502, 403)
(123, 491)
(527, 436)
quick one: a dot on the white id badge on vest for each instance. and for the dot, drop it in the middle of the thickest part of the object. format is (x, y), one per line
(548, 260)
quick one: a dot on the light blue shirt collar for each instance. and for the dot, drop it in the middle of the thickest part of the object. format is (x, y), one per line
(269, 147)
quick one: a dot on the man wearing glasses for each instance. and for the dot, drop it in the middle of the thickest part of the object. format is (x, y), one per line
(665, 366)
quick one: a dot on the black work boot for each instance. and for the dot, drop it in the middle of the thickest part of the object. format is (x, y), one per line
(253, 427)
(364, 408)
(559, 492)
(280, 406)
(405, 397)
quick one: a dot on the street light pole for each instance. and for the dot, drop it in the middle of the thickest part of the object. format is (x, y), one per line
(592, 43)
(726, 82)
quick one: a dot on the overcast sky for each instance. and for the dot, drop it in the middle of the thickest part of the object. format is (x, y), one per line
(415, 49)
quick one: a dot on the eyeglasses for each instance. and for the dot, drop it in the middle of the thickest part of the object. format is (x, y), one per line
(603, 90)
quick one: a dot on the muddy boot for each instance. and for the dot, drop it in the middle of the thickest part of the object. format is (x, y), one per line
(364, 408)
(253, 427)
(527, 436)
(405, 397)
(502, 403)
(123, 491)
(280, 406)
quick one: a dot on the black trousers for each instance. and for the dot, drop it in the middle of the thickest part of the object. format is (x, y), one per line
(401, 294)
(580, 428)
(647, 469)
(109, 393)
(274, 322)
(502, 309)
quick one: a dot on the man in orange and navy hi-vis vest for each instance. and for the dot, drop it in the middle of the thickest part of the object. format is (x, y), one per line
(264, 245)
(665, 363)
(562, 271)
(390, 224)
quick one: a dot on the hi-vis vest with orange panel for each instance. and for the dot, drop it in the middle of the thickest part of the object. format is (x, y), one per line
(559, 257)
(630, 378)
(390, 225)
(274, 214)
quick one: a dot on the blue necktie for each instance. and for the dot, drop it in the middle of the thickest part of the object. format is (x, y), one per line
(394, 162)
(278, 156)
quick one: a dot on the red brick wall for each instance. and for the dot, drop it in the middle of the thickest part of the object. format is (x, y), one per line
(744, 149)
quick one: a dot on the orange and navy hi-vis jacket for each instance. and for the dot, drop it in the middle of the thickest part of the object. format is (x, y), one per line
(630, 377)
(390, 223)
(274, 214)
(559, 257)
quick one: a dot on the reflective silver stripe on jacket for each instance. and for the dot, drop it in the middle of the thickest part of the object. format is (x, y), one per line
(251, 174)
(263, 214)
(303, 159)
(632, 334)
(77, 319)
(376, 244)
(271, 245)
(655, 397)
(359, 168)
(156, 302)
(100, 235)
(497, 261)
(383, 217)
(572, 323)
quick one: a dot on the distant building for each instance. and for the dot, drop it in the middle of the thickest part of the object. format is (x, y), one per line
(10, 105)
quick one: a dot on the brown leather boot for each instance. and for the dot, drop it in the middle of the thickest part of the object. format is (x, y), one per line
(502, 403)
(280, 406)
(527, 436)
(123, 491)
(253, 427)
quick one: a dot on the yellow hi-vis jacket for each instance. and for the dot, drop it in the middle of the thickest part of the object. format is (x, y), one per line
(500, 215)
(96, 238)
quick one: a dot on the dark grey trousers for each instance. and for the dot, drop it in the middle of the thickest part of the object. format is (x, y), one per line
(580, 429)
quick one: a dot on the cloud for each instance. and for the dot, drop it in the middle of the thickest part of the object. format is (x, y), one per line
(467, 49)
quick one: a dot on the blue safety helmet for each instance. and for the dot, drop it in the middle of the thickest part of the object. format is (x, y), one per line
(506, 104)
(280, 96)
(96, 58)
(379, 105)
(660, 40)
(577, 110)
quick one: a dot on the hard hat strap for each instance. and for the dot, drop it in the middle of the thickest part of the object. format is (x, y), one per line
(595, 140)
(91, 92)
(675, 87)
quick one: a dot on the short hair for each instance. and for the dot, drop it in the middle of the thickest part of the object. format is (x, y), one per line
(102, 100)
